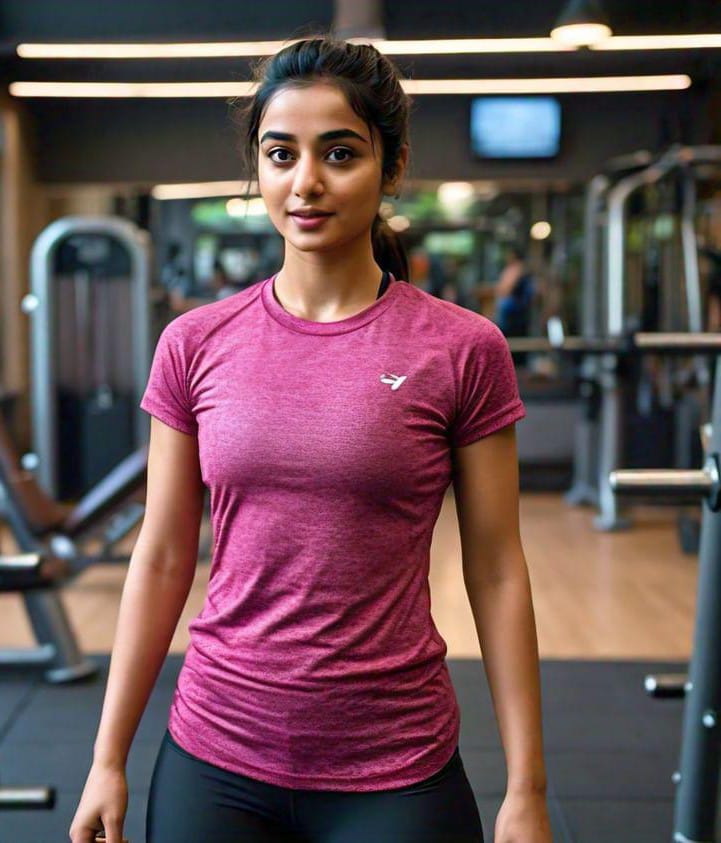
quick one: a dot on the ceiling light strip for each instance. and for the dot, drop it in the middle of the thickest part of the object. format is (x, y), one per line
(571, 85)
(441, 46)
(131, 89)
(199, 190)
(150, 51)
(444, 46)
(660, 42)
(414, 87)
(448, 46)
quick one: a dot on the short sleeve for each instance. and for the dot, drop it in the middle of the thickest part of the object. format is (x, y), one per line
(166, 394)
(488, 397)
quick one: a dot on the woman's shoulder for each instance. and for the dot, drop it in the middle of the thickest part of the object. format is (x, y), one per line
(207, 314)
(447, 315)
(190, 330)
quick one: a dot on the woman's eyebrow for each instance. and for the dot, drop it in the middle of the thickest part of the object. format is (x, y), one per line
(333, 135)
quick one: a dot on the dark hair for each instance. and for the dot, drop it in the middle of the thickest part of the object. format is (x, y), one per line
(371, 84)
(518, 252)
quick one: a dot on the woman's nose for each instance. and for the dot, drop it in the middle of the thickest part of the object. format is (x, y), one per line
(308, 181)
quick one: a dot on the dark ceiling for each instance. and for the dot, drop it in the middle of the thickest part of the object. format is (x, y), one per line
(167, 20)
(219, 19)
(80, 139)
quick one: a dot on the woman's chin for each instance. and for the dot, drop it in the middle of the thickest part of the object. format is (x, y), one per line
(316, 242)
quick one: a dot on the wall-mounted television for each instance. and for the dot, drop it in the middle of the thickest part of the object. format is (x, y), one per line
(515, 127)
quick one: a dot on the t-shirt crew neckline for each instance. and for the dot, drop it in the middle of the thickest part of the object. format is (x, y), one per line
(341, 326)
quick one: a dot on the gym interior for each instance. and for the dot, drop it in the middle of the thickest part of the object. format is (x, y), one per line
(564, 182)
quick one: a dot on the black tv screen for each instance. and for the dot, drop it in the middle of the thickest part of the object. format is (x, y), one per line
(515, 127)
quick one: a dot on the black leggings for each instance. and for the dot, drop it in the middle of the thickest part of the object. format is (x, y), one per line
(191, 801)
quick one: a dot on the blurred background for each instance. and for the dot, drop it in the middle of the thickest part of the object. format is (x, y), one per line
(564, 181)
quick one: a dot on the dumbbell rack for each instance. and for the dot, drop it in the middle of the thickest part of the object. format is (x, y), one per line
(697, 804)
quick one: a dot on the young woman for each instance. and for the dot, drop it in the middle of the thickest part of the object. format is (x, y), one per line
(327, 409)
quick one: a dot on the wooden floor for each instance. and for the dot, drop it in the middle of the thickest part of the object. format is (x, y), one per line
(626, 595)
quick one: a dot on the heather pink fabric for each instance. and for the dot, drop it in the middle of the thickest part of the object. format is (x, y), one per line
(315, 662)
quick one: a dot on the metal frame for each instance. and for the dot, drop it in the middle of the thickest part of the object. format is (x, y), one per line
(610, 516)
(698, 801)
(696, 806)
(584, 486)
(57, 649)
(40, 306)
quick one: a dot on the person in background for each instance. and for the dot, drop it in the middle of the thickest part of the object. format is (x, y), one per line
(514, 295)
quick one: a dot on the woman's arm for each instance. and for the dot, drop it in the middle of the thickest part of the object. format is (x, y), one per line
(496, 580)
(507, 281)
(161, 572)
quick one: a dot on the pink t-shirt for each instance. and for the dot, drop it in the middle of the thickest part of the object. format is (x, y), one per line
(315, 662)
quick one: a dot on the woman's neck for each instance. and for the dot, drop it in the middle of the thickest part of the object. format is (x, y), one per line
(317, 287)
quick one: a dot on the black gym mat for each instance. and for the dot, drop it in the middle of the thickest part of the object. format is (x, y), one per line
(610, 749)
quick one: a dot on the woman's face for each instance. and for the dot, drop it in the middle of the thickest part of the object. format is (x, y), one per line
(315, 154)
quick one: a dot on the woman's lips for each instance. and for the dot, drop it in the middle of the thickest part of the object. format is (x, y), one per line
(310, 223)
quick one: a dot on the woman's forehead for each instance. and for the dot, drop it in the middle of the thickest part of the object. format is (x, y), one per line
(310, 111)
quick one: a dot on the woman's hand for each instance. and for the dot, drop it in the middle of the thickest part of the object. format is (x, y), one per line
(523, 818)
(103, 804)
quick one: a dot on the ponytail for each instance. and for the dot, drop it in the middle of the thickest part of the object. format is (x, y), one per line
(388, 250)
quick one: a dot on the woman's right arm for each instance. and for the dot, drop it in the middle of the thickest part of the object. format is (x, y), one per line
(507, 282)
(161, 572)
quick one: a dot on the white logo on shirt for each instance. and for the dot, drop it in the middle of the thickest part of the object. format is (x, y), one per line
(396, 380)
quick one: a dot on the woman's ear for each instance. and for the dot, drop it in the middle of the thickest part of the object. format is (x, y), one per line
(391, 186)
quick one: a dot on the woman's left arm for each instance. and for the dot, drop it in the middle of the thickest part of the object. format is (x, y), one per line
(495, 574)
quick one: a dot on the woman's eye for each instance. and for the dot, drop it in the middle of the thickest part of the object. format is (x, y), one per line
(282, 156)
(282, 152)
(348, 153)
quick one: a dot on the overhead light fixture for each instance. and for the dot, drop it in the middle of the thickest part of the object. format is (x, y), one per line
(554, 85)
(413, 87)
(201, 190)
(581, 24)
(192, 50)
(541, 230)
(699, 41)
(427, 47)
(238, 207)
(454, 46)
(232, 49)
(455, 192)
(131, 90)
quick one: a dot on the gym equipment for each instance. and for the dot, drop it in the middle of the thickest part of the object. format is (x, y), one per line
(544, 450)
(677, 158)
(697, 797)
(90, 350)
(69, 539)
(16, 571)
(25, 798)
(614, 398)
(616, 352)
(584, 487)
(56, 539)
